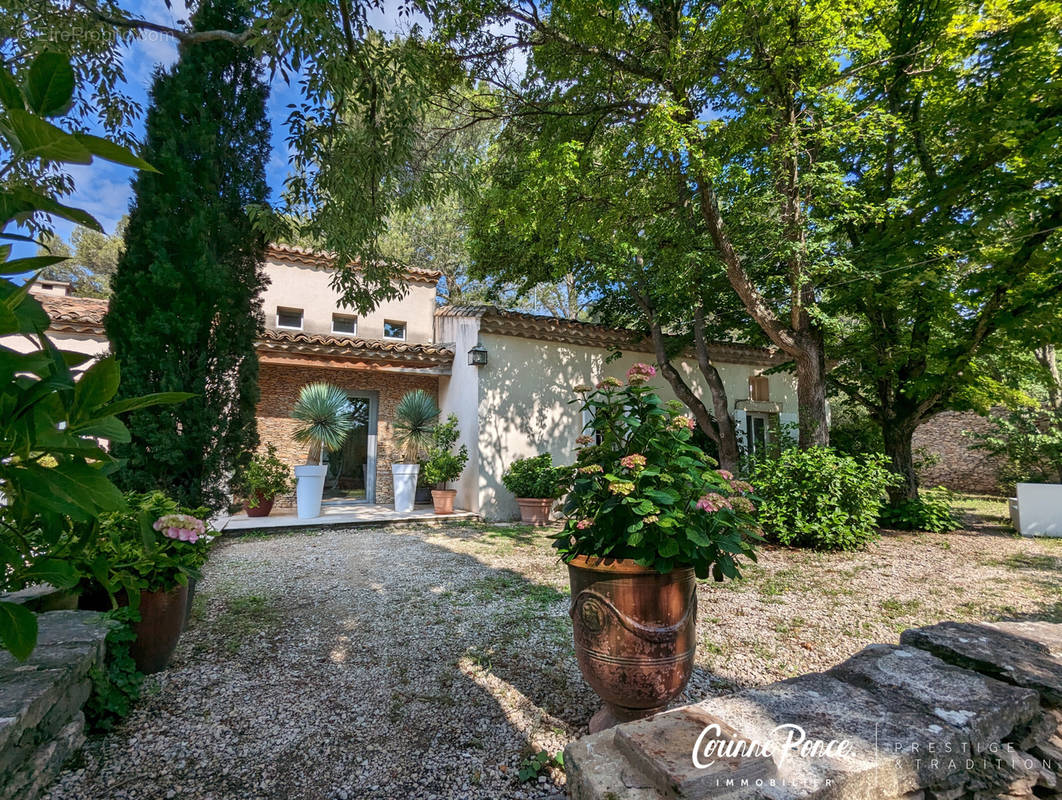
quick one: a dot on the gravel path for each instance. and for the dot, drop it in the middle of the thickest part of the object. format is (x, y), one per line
(429, 663)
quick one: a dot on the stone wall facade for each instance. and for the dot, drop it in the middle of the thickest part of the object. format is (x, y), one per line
(954, 712)
(958, 466)
(41, 722)
(280, 385)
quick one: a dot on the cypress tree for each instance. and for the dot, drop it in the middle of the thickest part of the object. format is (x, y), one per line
(186, 306)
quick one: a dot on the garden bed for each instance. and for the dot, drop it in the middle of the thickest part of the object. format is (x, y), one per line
(429, 663)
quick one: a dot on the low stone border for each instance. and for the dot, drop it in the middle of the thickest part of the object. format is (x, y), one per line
(41, 722)
(955, 712)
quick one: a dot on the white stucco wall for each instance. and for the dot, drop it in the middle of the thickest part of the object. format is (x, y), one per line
(459, 394)
(524, 394)
(309, 288)
(94, 346)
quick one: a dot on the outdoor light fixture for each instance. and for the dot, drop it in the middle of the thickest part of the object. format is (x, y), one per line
(477, 356)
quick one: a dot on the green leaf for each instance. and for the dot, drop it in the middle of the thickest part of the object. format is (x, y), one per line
(32, 264)
(147, 532)
(60, 574)
(38, 138)
(18, 630)
(10, 96)
(109, 428)
(49, 87)
(109, 151)
(148, 400)
(97, 385)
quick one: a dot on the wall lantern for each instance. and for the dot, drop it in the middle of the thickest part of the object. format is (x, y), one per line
(477, 356)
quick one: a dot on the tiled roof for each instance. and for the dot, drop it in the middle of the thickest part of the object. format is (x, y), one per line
(78, 314)
(411, 353)
(313, 258)
(537, 326)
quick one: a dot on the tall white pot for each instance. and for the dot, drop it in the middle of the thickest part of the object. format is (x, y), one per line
(309, 489)
(405, 482)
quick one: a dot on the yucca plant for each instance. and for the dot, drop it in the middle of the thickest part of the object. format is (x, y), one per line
(414, 424)
(324, 411)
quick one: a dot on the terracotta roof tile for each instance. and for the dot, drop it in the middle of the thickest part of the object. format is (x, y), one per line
(64, 311)
(353, 347)
(314, 258)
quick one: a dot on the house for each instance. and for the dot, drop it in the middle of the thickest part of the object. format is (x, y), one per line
(516, 404)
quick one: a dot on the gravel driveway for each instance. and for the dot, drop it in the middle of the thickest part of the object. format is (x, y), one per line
(429, 663)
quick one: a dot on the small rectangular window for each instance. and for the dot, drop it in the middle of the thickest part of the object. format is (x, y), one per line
(759, 389)
(289, 318)
(394, 330)
(344, 323)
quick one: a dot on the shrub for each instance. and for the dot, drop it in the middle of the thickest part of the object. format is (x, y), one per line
(536, 477)
(643, 491)
(115, 685)
(323, 413)
(265, 477)
(931, 511)
(414, 422)
(818, 498)
(443, 464)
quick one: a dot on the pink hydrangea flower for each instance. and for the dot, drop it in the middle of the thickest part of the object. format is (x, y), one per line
(583, 524)
(742, 504)
(182, 527)
(609, 383)
(712, 502)
(640, 373)
(621, 487)
(726, 474)
(590, 469)
(584, 439)
(635, 461)
(682, 422)
(741, 486)
(582, 388)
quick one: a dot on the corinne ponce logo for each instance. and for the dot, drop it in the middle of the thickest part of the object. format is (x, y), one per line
(713, 745)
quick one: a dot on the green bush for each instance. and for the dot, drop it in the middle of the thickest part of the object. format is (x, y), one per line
(930, 512)
(536, 477)
(265, 477)
(115, 686)
(821, 499)
(443, 464)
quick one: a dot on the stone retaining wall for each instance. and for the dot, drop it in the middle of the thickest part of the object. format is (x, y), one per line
(955, 712)
(41, 722)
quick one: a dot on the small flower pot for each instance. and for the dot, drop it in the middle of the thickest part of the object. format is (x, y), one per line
(635, 635)
(262, 506)
(535, 510)
(405, 485)
(162, 616)
(443, 500)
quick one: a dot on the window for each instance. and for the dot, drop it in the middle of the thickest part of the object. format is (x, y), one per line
(588, 422)
(394, 330)
(344, 323)
(759, 389)
(289, 318)
(758, 432)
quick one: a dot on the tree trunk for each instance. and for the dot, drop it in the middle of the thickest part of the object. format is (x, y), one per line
(811, 391)
(729, 454)
(1049, 361)
(898, 437)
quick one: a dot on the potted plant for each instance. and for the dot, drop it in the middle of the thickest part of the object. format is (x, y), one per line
(323, 411)
(443, 465)
(537, 484)
(414, 422)
(261, 481)
(154, 550)
(648, 514)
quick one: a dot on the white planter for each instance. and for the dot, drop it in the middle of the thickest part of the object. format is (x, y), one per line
(309, 489)
(1038, 511)
(405, 481)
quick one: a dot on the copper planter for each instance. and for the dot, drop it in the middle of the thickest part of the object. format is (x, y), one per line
(262, 507)
(162, 616)
(635, 635)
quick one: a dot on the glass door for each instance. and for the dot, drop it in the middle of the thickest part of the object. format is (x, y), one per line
(758, 432)
(352, 469)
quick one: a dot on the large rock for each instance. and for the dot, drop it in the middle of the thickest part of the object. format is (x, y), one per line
(992, 650)
(985, 709)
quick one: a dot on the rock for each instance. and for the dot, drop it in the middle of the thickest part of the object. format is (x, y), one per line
(985, 709)
(597, 770)
(992, 651)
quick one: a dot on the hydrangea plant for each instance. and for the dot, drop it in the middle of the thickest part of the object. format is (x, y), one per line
(643, 491)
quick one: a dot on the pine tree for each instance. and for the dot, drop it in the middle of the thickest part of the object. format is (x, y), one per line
(186, 306)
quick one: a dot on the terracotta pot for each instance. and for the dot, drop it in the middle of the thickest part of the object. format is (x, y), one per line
(161, 620)
(263, 508)
(535, 510)
(443, 500)
(635, 635)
